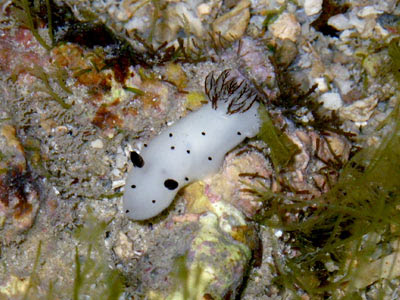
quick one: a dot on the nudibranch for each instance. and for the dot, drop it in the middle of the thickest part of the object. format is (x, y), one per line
(191, 148)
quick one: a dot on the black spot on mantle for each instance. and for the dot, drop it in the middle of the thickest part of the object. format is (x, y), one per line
(137, 159)
(171, 184)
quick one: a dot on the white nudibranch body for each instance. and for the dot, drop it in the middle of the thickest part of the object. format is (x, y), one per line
(191, 148)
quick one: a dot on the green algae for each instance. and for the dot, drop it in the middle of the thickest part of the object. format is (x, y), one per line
(394, 54)
(33, 278)
(347, 239)
(134, 90)
(40, 73)
(272, 15)
(352, 225)
(61, 76)
(90, 270)
(93, 278)
(50, 21)
(25, 16)
(282, 148)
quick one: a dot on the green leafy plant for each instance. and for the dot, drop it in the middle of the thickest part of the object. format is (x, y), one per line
(282, 148)
(356, 224)
(93, 278)
(89, 271)
(394, 54)
(27, 18)
(44, 77)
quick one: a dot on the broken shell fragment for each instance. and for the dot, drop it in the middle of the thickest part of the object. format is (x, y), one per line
(232, 25)
(359, 111)
(286, 27)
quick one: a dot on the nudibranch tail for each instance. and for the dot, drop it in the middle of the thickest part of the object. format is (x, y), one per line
(239, 96)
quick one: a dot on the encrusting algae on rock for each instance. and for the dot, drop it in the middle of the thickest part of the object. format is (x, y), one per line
(215, 253)
(19, 189)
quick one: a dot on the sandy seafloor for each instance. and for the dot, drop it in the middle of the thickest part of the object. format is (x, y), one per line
(107, 76)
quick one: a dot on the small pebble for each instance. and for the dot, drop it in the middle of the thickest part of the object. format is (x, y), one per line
(286, 27)
(233, 24)
(118, 183)
(322, 86)
(340, 22)
(124, 247)
(312, 7)
(61, 129)
(359, 111)
(203, 9)
(120, 160)
(97, 144)
(331, 100)
(368, 11)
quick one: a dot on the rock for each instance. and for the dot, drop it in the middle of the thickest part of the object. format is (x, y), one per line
(97, 144)
(387, 267)
(203, 9)
(345, 86)
(374, 63)
(120, 160)
(19, 193)
(341, 78)
(286, 27)
(255, 59)
(358, 23)
(339, 71)
(14, 288)
(359, 111)
(124, 247)
(232, 25)
(364, 26)
(286, 52)
(368, 11)
(386, 6)
(176, 75)
(204, 256)
(178, 16)
(312, 7)
(340, 22)
(333, 147)
(331, 100)
(322, 85)
(118, 183)
(228, 185)
(196, 200)
(388, 23)
(138, 14)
